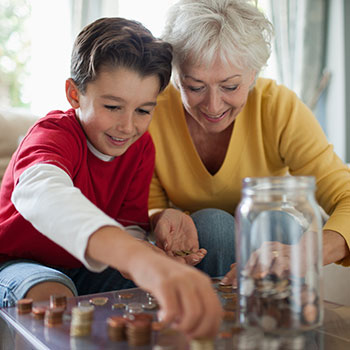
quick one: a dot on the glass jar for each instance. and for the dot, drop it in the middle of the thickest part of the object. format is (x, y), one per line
(279, 254)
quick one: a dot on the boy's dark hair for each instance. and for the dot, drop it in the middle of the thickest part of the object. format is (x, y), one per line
(118, 42)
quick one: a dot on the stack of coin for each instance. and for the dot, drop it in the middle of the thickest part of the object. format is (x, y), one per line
(39, 312)
(53, 317)
(24, 306)
(142, 316)
(139, 332)
(58, 300)
(202, 344)
(116, 328)
(81, 323)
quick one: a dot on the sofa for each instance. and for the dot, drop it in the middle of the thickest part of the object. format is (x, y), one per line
(14, 125)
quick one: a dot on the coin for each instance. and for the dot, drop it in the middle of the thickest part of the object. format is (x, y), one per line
(149, 306)
(125, 295)
(39, 312)
(99, 301)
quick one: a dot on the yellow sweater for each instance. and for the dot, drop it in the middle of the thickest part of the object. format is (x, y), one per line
(274, 134)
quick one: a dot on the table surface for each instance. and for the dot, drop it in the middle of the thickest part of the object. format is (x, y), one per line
(25, 332)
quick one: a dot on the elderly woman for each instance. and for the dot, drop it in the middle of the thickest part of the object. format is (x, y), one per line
(219, 123)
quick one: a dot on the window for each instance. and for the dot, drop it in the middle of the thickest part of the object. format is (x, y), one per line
(36, 38)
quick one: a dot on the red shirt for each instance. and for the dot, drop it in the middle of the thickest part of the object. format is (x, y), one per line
(119, 188)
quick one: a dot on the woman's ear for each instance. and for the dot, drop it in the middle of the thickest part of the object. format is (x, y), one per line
(252, 78)
(72, 93)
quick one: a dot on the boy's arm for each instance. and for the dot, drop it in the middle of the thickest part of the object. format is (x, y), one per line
(185, 295)
(46, 197)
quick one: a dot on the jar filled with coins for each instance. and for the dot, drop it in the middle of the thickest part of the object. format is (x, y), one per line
(279, 254)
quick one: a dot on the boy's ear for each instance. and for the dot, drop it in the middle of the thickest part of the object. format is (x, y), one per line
(72, 93)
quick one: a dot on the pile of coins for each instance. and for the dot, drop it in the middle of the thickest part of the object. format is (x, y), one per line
(272, 302)
(53, 317)
(116, 328)
(135, 328)
(24, 306)
(81, 323)
(138, 332)
(58, 300)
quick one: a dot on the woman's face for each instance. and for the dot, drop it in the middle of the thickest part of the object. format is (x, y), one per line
(213, 96)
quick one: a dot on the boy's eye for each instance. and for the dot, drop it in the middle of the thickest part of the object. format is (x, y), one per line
(111, 108)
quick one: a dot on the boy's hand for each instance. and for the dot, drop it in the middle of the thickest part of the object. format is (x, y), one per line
(175, 231)
(186, 297)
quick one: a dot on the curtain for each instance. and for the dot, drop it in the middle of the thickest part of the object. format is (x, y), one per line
(84, 12)
(300, 46)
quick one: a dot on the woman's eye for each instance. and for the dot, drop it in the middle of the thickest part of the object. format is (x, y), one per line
(195, 89)
(231, 88)
(143, 111)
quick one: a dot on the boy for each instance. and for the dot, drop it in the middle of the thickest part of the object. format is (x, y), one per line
(76, 189)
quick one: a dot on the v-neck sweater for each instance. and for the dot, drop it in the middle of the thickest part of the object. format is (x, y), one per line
(274, 134)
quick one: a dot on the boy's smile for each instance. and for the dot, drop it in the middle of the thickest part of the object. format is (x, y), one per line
(116, 108)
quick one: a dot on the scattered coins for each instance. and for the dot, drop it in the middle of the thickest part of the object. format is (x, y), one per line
(125, 295)
(183, 252)
(119, 306)
(99, 301)
(134, 308)
(39, 312)
(150, 306)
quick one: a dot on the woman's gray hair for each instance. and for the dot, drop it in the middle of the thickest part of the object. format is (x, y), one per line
(237, 30)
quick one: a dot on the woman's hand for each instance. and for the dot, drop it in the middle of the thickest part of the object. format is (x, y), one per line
(176, 232)
(275, 258)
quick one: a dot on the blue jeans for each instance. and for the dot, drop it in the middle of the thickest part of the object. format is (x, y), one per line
(17, 277)
(216, 233)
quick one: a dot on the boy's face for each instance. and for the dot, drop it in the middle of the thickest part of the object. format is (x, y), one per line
(116, 108)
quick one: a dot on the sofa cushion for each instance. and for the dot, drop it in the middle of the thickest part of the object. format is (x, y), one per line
(13, 126)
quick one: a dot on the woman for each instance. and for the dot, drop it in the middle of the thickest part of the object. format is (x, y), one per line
(220, 123)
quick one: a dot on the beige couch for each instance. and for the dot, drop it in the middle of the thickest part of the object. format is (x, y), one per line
(13, 126)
